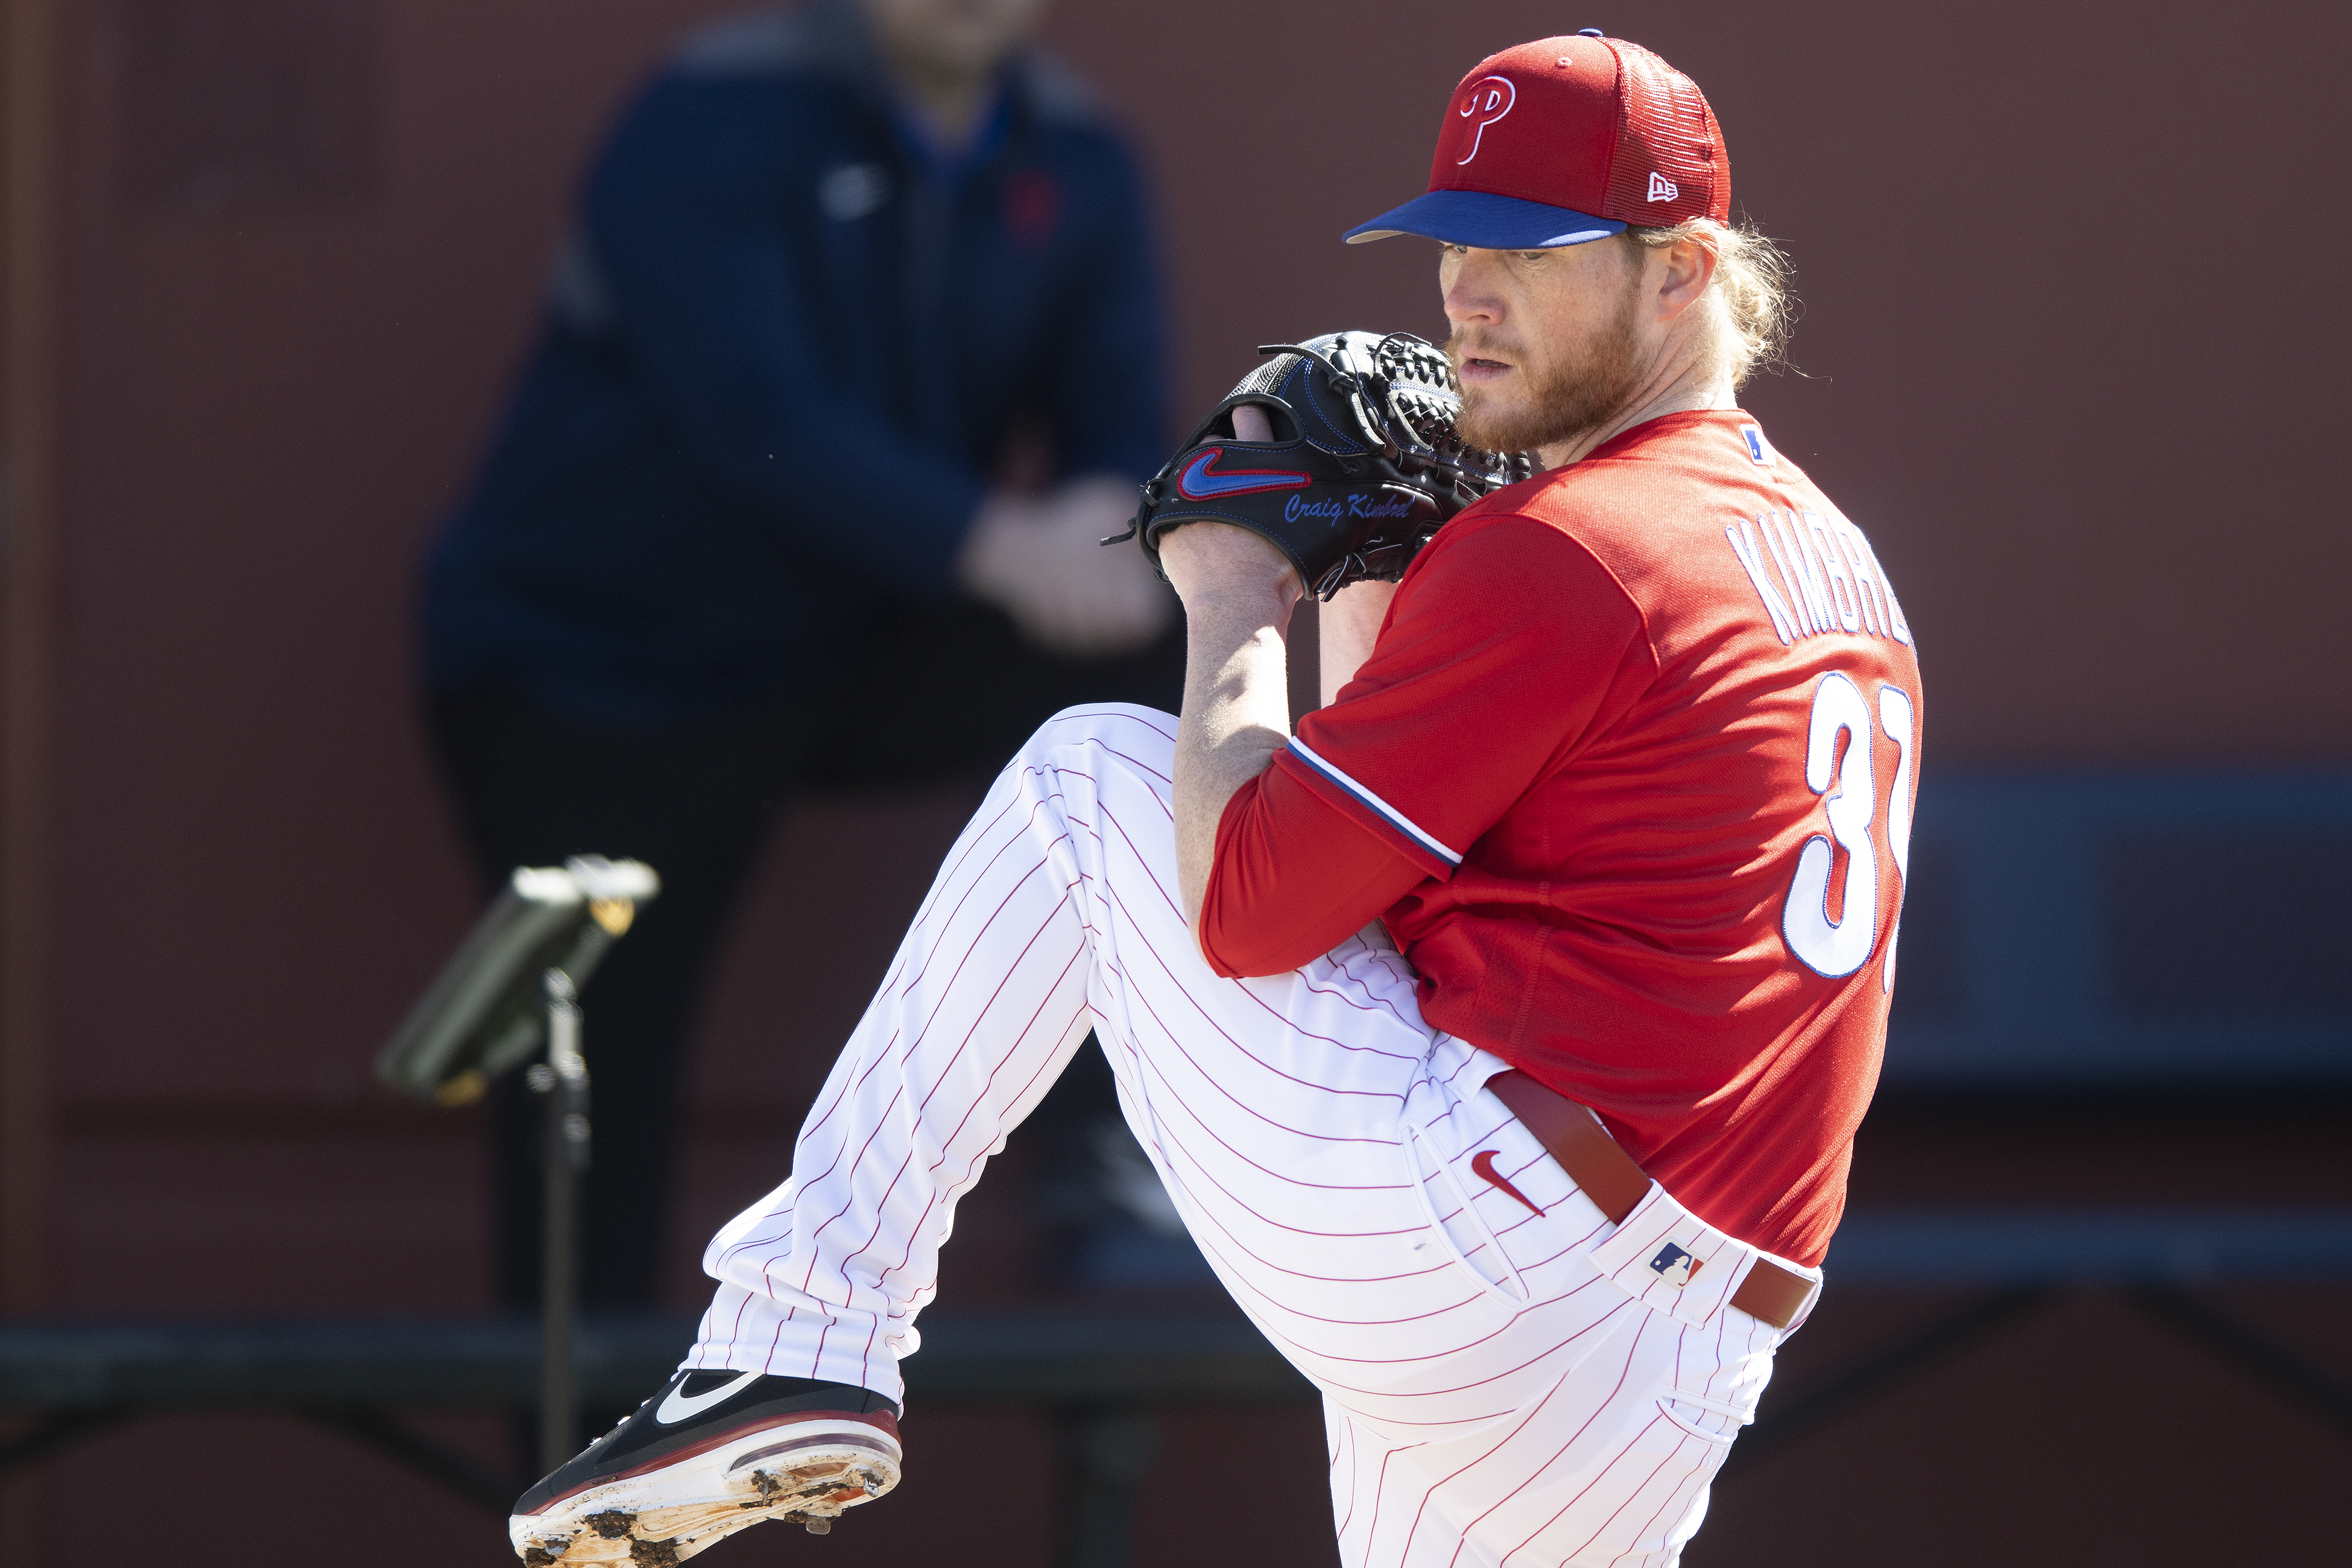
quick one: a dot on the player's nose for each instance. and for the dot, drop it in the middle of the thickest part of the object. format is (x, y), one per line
(1469, 280)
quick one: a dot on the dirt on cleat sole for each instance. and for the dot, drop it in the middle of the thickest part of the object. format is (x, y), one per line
(812, 1495)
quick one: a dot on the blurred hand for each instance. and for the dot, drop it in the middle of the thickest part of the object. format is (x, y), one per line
(1042, 562)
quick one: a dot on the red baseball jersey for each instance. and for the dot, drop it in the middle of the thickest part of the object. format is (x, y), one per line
(1629, 778)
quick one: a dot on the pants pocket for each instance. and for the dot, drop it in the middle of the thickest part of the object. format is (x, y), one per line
(1718, 1377)
(1451, 1211)
(1707, 1421)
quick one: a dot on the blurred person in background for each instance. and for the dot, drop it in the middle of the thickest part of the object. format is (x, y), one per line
(852, 356)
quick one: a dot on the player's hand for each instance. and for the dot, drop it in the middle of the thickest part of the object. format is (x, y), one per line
(1230, 567)
(1205, 559)
(1041, 560)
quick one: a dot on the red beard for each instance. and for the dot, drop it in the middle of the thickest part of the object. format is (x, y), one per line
(1579, 393)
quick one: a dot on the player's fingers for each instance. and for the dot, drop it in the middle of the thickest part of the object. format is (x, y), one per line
(1251, 423)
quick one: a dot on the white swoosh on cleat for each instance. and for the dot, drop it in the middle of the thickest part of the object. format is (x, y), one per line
(681, 1404)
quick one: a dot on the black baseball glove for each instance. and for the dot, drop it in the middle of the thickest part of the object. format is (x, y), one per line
(1361, 469)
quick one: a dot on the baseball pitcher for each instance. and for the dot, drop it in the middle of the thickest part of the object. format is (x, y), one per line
(1501, 1035)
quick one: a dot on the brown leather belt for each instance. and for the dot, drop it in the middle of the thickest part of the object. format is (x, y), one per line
(1609, 1176)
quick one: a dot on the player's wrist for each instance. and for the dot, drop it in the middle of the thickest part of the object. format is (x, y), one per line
(1217, 624)
(1216, 563)
(1271, 600)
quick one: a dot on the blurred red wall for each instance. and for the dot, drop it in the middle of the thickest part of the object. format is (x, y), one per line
(2068, 354)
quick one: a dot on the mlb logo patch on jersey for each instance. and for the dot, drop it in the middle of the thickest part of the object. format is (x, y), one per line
(1759, 449)
(1675, 1266)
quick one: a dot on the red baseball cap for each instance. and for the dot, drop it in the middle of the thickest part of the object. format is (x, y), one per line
(1564, 141)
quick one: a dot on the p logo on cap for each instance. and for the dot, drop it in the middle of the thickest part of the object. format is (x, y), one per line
(1489, 98)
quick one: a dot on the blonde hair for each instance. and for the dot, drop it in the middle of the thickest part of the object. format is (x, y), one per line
(1749, 303)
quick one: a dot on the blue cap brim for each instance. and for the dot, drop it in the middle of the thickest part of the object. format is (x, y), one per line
(1488, 221)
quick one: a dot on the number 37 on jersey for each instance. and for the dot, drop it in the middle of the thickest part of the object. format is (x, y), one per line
(1834, 585)
(1841, 744)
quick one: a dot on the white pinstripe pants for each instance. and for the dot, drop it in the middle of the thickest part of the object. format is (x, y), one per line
(1490, 1397)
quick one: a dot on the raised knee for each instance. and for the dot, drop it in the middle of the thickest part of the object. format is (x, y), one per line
(1126, 727)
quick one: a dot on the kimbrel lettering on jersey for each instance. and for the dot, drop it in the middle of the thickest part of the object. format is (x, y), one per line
(1827, 580)
(1374, 803)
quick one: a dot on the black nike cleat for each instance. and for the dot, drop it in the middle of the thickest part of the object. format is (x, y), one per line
(715, 1453)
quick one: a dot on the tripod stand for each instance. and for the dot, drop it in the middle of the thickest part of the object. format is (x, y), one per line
(562, 1079)
(516, 981)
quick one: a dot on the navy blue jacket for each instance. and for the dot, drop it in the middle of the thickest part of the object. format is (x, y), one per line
(784, 351)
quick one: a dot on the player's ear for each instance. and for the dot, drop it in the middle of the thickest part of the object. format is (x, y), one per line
(1684, 270)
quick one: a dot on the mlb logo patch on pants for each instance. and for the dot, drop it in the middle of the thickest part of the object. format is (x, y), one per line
(1675, 1266)
(1672, 1261)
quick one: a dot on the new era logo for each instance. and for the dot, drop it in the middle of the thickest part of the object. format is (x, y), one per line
(1662, 189)
(1675, 1266)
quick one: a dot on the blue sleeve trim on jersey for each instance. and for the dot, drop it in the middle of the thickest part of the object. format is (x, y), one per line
(1373, 802)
